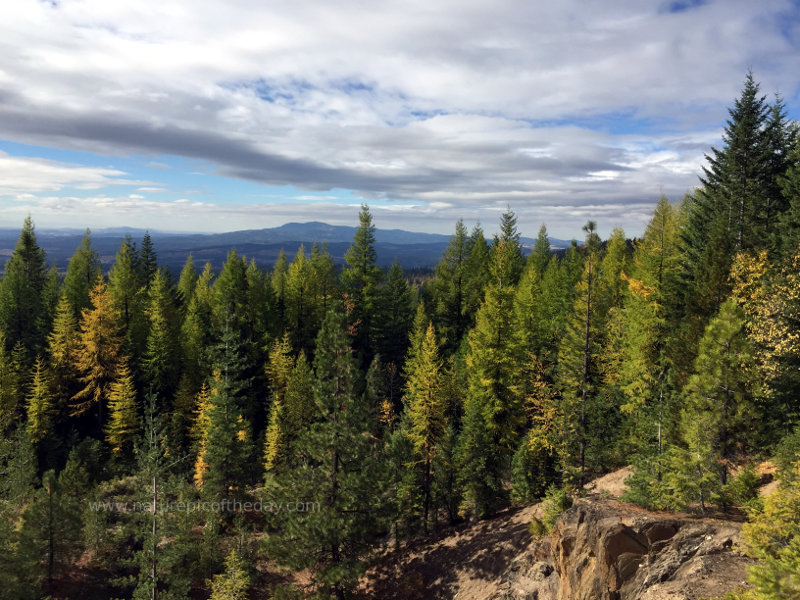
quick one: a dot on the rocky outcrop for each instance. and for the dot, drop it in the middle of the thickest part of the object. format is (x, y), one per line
(604, 550)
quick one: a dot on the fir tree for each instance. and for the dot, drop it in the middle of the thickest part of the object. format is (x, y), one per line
(22, 312)
(449, 290)
(394, 313)
(361, 277)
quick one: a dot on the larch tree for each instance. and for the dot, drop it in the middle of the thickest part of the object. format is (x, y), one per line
(62, 346)
(123, 424)
(82, 273)
(161, 357)
(426, 408)
(40, 406)
(97, 355)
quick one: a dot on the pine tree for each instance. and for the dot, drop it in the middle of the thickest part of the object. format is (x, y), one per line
(476, 274)
(394, 313)
(449, 290)
(97, 352)
(82, 273)
(22, 312)
(10, 388)
(772, 536)
(51, 527)
(578, 368)
(426, 411)
(146, 261)
(361, 277)
(226, 444)
(161, 540)
(336, 475)
(787, 235)
(280, 271)
(123, 418)
(505, 257)
(718, 404)
(40, 404)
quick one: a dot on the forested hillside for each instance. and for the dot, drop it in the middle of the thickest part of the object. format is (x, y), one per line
(172, 434)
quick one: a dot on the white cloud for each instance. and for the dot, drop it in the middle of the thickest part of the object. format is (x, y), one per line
(462, 102)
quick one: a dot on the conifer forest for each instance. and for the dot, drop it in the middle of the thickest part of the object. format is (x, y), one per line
(201, 434)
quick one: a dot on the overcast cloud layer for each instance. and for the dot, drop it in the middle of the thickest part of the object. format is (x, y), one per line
(429, 111)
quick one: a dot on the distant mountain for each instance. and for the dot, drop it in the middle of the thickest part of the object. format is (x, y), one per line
(411, 249)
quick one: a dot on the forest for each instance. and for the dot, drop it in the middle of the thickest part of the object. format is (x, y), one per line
(173, 431)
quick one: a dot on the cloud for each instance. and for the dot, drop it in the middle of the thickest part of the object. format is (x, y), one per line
(594, 108)
(20, 175)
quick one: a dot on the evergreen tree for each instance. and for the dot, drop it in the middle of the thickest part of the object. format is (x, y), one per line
(718, 405)
(335, 477)
(394, 313)
(541, 255)
(51, 526)
(82, 273)
(476, 273)
(280, 272)
(578, 368)
(22, 312)
(505, 258)
(227, 441)
(649, 340)
(787, 236)
(146, 261)
(361, 277)
(161, 541)
(325, 280)
(449, 290)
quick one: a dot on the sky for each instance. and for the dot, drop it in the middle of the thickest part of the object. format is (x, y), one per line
(219, 115)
